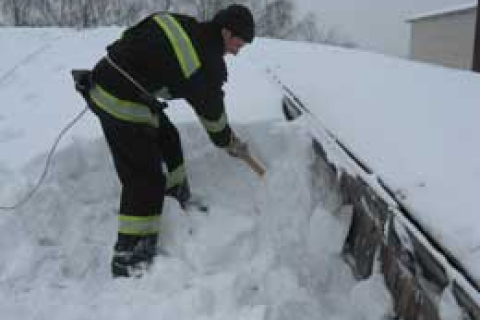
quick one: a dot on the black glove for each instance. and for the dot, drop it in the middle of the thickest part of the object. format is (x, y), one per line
(237, 148)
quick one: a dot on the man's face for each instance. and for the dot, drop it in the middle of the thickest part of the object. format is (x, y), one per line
(232, 44)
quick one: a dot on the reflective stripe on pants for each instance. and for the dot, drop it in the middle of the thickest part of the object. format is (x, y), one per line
(138, 226)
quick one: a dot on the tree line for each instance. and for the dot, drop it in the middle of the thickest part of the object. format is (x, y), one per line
(274, 18)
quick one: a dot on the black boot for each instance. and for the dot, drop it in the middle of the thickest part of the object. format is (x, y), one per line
(133, 255)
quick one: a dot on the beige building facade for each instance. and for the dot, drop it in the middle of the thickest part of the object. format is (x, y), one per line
(444, 37)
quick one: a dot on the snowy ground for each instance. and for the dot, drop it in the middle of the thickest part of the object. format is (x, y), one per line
(267, 249)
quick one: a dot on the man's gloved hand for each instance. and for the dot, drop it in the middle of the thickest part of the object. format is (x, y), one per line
(237, 148)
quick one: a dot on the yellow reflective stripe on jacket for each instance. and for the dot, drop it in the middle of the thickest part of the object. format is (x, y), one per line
(134, 225)
(122, 109)
(186, 54)
(176, 177)
(215, 126)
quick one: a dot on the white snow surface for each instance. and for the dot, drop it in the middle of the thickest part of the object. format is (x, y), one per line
(415, 126)
(267, 249)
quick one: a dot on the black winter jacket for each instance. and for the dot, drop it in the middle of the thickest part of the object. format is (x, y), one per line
(146, 54)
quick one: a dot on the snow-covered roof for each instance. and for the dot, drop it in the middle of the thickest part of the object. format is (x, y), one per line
(444, 11)
(412, 124)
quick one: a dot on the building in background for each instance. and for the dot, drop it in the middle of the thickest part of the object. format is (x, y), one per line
(444, 36)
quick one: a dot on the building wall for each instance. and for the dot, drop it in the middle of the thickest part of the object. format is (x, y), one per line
(447, 39)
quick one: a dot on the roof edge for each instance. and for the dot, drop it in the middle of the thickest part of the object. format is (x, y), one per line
(442, 12)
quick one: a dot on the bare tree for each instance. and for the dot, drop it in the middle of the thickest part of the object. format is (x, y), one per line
(206, 9)
(277, 20)
(9, 16)
(77, 13)
(274, 18)
(18, 10)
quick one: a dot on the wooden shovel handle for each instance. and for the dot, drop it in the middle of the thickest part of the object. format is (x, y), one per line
(254, 164)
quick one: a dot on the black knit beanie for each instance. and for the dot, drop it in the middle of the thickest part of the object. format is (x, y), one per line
(238, 19)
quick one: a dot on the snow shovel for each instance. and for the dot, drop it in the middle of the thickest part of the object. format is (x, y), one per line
(253, 163)
(239, 149)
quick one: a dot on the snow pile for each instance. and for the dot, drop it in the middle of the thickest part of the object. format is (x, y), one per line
(267, 249)
(412, 124)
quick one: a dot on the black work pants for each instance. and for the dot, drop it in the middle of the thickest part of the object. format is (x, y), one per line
(137, 159)
(170, 144)
(138, 151)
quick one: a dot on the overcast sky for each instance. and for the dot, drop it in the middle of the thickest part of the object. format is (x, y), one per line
(377, 25)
